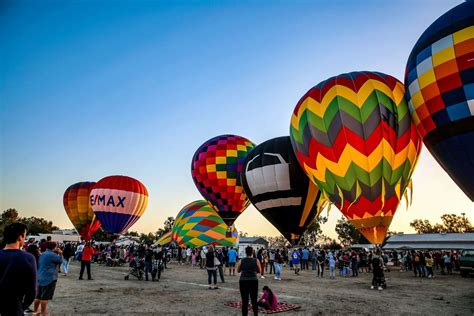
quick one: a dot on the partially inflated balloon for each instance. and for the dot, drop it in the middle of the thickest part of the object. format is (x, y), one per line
(78, 209)
(118, 202)
(440, 92)
(278, 187)
(198, 224)
(354, 137)
(216, 169)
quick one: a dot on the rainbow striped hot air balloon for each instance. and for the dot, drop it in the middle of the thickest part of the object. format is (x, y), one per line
(78, 209)
(354, 138)
(440, 91)
(198, 224)
(118, 202)
(216, 169)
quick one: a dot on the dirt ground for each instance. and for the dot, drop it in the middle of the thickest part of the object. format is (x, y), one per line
(182, 290)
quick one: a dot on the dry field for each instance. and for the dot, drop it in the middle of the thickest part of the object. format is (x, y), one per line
(183, 291)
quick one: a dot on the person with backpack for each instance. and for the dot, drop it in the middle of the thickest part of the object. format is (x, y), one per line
(296, 261)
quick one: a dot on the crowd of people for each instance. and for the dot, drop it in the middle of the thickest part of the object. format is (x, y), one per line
(29, 268)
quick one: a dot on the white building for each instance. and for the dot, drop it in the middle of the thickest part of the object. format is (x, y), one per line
(254, 242)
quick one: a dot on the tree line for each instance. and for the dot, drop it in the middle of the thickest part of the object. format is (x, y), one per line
(346, 232)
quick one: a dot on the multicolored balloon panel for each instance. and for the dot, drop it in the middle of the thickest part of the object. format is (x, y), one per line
(354, 138)
(78, 209)
(216, 169)
(198, 224)
(118, 202)
(280, 190)
(440, 92)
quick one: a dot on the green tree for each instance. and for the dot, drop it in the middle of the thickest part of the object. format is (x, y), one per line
(278, 242)
(348, 234)
(169, 224)
(314, 231)
(451, 223)
(37, 225)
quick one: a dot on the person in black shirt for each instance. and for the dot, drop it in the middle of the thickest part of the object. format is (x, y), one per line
(148, 262)
(17, 272)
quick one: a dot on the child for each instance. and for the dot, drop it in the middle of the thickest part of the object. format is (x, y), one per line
(268, 300)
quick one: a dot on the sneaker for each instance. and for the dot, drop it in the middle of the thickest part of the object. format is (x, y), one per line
(380, 288)
(262, 277)
(372, 287)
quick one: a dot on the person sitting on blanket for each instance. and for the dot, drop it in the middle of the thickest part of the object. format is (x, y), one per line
(268, 300)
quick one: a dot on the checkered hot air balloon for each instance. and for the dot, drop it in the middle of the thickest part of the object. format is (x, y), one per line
(354, 137)
(78, 209)
(198, 224)
(216, 169)
(118, 202)
(440, 92)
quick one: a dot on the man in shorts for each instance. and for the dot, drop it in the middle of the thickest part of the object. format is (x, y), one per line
(232, 257)
(296, 260)
(47, 276)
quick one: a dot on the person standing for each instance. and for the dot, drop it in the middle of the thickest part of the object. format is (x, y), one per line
(278, 261)
(232, 257)
(220, 267)
(86, 258)
(17, 272)
(248, 268)
(148, 262)
(203, 258)
(47, 276)
(211, 267)
(67, 254)
(260, 258)
(271, 261)
(354, 266)
(321, 260)
(332, 266)
(296, 260)
(305, 265)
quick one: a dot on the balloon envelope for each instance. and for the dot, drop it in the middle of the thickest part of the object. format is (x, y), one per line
(118, 202)
(440, 92)
(78, 209)
(277, 186)
(354, 137)
(216, 169)
(198, 224)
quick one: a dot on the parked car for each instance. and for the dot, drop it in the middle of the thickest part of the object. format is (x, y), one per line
(467, 262)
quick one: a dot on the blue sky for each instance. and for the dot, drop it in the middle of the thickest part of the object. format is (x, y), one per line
(95, 88)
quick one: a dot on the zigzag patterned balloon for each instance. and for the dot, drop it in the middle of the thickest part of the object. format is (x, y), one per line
(354, 137)
(198, 224)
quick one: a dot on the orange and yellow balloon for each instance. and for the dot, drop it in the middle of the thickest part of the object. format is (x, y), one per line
(78, 209)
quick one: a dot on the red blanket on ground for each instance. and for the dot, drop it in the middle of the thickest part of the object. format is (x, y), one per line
(282, 307)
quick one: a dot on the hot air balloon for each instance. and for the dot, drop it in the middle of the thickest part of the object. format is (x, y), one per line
(440, 92)
(277, 186)
(78, 209)
(354, 138)
(198, 224)
(216, 169)
(118, 202)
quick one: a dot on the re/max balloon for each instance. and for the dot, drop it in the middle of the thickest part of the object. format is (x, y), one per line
(118, 202)
(78, 209)
(440, 92)
(216, 168)
(277, 186)
(354, 137)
